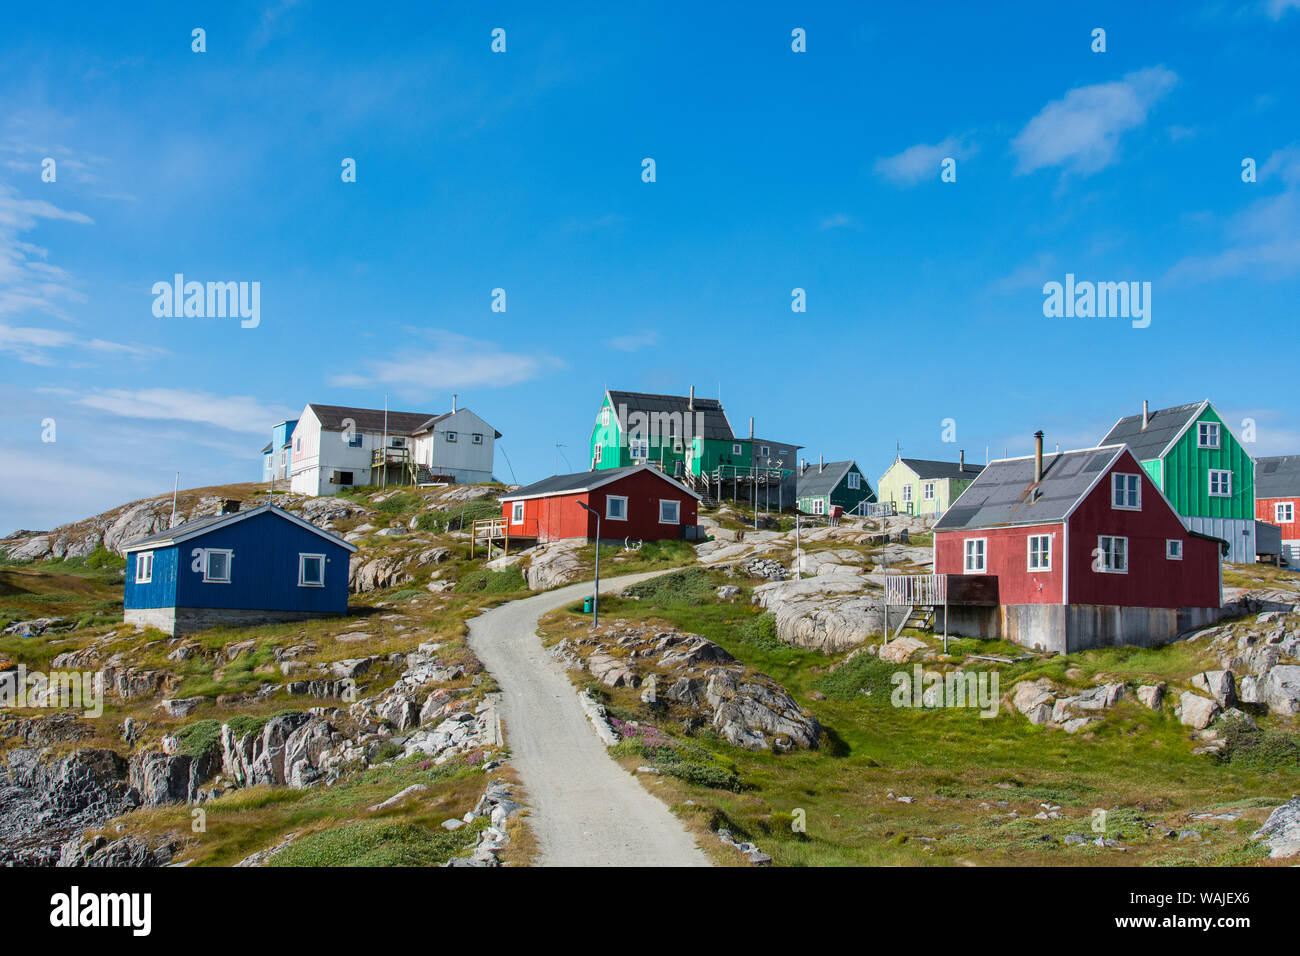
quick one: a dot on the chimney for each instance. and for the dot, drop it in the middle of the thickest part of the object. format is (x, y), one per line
(803, 466)
(1146, 414)
(690, 402)
(230, 506)
(1038, 456)
(453, 403)
(820, 465)
(751, 427)
(961, 460)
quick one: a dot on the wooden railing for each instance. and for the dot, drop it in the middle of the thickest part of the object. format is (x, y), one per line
(872, 509)
(486, 530)
(910, 590)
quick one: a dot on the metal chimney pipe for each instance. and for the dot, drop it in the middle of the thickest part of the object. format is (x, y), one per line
(751, 427)
(1146, 414)
(690, 402)
(820, 465)
(961, 460)
(1038, 457)
(453, 402)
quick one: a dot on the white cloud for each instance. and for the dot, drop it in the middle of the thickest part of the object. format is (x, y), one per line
(921, 161)
(634, 341)
(1027, 275)
(237, 413)
(840, 220)
(32, 345)
(1277, 9)
(1081, 131)
(455, 362)
(27, 281)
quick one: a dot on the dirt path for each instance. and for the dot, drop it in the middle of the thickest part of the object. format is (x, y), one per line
(585, 810)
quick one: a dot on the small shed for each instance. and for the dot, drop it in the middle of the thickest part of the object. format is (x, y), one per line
(244, 568)
(638, 502)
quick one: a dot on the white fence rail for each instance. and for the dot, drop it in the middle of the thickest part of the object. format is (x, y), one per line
(910, 590)
(872, 509)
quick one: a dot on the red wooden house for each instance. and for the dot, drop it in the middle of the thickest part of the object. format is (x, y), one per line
(1277, 495)
(638, 502)
(1086, 551)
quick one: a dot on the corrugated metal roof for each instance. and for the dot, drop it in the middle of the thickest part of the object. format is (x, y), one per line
(1163, 425)
(1001, 495)
(928, 468)
(192, 529)
(1277, 477)
(811, 484)
(586, 481)
(372, 419)
(716, 425)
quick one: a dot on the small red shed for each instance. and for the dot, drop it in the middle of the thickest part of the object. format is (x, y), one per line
(1277, 497)
(1089, 532)
(638, 502)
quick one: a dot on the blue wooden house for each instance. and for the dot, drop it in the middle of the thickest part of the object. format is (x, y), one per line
(276, 455)
(237, 569)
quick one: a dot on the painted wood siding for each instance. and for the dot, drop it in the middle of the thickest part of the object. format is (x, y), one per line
(1187, 474)
(1007, 558)
(159, 592)
(561, 516)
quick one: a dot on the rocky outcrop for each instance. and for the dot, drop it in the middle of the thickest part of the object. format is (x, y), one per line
(828, 614)
(1197, 712)
(554, 564)
(1281, 689)
(1034, 699)
(1281, 831)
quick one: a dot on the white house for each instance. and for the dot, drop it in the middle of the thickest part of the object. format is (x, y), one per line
(337, 446)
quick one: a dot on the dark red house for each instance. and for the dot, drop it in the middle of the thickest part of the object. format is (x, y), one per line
(1085, 549)
(638, 502)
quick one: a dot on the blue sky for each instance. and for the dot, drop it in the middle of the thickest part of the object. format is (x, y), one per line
(522, 170)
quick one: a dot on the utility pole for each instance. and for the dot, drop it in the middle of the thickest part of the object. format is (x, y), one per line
(175, 488)
(595, 596)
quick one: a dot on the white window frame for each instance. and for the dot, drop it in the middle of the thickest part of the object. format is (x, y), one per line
(144, 567)
(1102, 553)
(1222, 492)
(517, 510)
(1119, 495)
(819, 506)
(927, 491)
(604, 417)
(598, 450)
(613, 517)
(1174, 549)
(208, 577)
(765, 451)
(855, 481)
(1207, 430)
(477, 438)
(1044, 553)
(451, 436)
(641, 445)
(677, 511)
(302, 567)
(1279, 512)
(907, 494)
(736, 450)
(968, 553)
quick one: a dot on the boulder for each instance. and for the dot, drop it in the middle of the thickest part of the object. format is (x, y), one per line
(554, 564)
(901, 649)
(161, 778)
(1196, 711)
(1221, 685)
(1152, 696)
(1281, 690)
(1034, 700)
(1281, 831)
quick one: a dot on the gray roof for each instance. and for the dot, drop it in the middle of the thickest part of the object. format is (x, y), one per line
(928, 468)
(192, 529)
(1163, 426)
(716, 425)
(1277, 477)
(372, 419)
(1001, 494)
(812, 484)
(585, 481)
(267, 449)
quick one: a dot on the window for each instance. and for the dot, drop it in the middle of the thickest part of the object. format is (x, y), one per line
(907, 493)
(1284, 512)
(616, 507)
(1112, 554)
(1126, 492)
(764, 450)
(1040, 552)
(639, 448)
(1207, 435)
(451, 436)
(1174, 549)
(297, 444)
(311, 570)
(928, 491)
(216, 566)
(517, 511)
(354, 441)
(598, 448)
(855, 481)
(976, 552)
(144, 567)
(669, 511)
(819, 506)
(735, 449)
(604, 416)
(1220, 483)
(477, 439)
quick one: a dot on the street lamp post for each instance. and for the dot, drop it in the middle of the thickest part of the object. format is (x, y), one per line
(595, 597)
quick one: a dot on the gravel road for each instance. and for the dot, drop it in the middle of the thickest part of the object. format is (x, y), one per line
(584, 809)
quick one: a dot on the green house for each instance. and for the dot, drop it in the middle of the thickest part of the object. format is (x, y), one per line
(681, 433)
(823, 486)
(1195, 459)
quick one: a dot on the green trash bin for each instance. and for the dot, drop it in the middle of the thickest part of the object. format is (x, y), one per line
(586, 605)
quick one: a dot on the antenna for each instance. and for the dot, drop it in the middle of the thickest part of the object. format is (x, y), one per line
(175, 487)
(559, 454)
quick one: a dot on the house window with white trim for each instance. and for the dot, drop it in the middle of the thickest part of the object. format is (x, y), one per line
(764, 451)
(639, 448)
(598, 448)
(477, 439)
(735, 449)
(1283, 512)
(855, 481)
(819, 506)
(354, 441)
(517, 511)
(669, 511)
(311, 570)
(1040, 552)
(907, 494)
(1207, 435)
(451, 436)
(928, 491)
(1112, 554)
(604, 417)
(976, 557)
(216, 565)
(144, 567)
(616, 507)
(1126, 491)
(1174, 549)
(1220, 483)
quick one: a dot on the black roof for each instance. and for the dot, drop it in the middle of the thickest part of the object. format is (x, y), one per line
(372, 419)
(813, 484)
(716, 425)
(1001, 494)
(1163, 425)
(585, 481)
(929, 468)
(1277, 477)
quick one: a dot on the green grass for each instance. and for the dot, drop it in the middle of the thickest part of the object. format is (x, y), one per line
(689, 586)
(201, 738)
(377, 844)
(487, 581)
